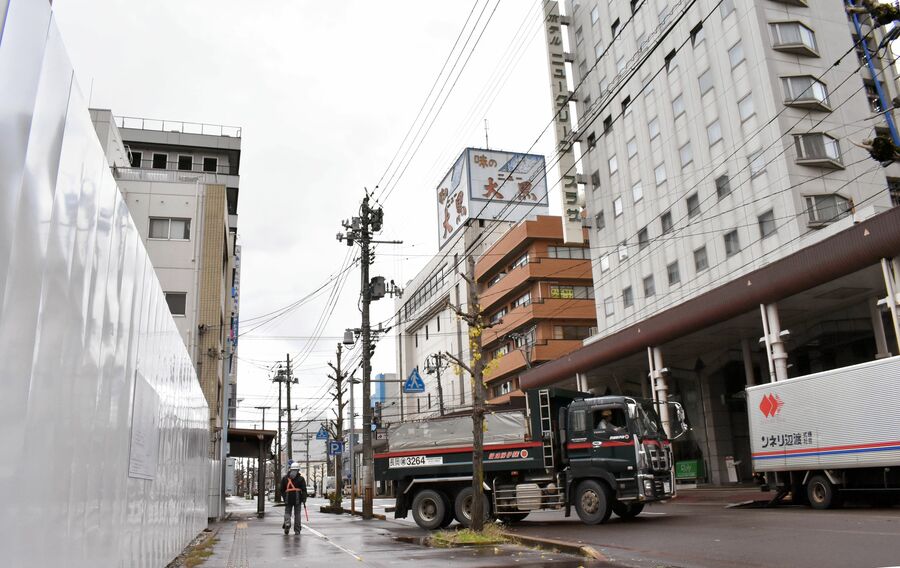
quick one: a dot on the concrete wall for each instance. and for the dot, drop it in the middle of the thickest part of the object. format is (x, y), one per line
(91, 355)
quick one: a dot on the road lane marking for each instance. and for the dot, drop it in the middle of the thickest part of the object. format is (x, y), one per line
(331, 542)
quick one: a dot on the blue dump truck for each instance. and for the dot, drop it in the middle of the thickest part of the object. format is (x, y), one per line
(602, 455)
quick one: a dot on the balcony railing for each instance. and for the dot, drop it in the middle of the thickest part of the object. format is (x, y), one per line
(172, 176)
(177, 126)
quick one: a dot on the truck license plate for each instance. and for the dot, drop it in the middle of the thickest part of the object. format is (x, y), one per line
(667, 486)
(415, 461)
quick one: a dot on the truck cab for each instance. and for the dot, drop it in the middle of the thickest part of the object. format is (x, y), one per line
(617, 456)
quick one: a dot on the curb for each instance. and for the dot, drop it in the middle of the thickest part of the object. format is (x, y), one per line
(329, 510)
(559, 545)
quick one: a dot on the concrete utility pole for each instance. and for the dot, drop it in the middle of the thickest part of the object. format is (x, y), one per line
(336, 428)
(290, 425)
(360, 229)
(475, 367)
(433, 365)
(278, 447)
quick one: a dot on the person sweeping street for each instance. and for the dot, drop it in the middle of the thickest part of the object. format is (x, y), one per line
(293, 487)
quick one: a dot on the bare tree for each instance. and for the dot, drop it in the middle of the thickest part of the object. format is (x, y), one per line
(475, 367)
(335, 427)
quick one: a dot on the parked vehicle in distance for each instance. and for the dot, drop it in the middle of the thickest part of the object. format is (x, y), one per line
(824, 436)
(601, 455)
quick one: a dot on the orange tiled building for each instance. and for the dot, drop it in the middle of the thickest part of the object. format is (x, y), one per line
(539, 292)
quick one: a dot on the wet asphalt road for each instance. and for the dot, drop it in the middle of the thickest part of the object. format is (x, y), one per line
(336, 541)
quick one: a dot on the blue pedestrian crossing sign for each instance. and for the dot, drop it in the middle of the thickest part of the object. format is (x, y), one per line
(335, 448)
(414, 384)
(321, 434)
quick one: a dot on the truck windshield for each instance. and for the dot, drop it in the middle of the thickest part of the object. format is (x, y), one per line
(646, 421)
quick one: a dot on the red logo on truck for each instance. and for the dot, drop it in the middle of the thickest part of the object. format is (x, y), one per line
(770, 405)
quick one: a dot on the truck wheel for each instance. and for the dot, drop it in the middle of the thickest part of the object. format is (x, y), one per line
(448, 517)
(627, 510)
(462, 506)
(429, 508)
(821, 493)
(592, 502)
(510, 518)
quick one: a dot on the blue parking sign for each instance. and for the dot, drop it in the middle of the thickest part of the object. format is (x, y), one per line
(335, 448)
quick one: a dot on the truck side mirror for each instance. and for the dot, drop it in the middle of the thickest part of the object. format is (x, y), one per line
(677, 421)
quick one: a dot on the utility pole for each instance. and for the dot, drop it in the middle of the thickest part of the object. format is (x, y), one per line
(278, 447)
(290, 425)
(433, 365)
(336, 428)
(263, 408)
(360, 229)
(475, 367)
(352, 421)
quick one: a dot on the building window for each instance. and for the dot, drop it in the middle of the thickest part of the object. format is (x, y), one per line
(767, 224)
(817, 148)
(607, 124)
(598, 49)
(634, 6)
(582, 70)
(723, 186)
(726, 8)
(591, 141)
(660, 173)
(626, 106)
(579, 36)
(609, 306)
(745, 107)
(595, 179)
(706, 81)
(571, 332)
(714, 132)
(623, 251)
(600, 221)
(669, 58)
(872, 95)
(757, 163)
(521, 261)
(574, 253)
(614, 28)
(824, 209)
(693, 205)
(805, 91)
(186, 163)
(613, 164)
(649, 287)
(794, 37)
(160, 161)
(653, 127)
(426, 333)
(571, 292)
(177, 302)
(627, 297)
(637, 192)
(604, 263)
(686, 155)
(504, 388)
(522, 300)
(170, 229)
(643, 238)
(211, 165)
(499, 315)
(701, 261)
(501, 351)
(697, 35)
(736, 54)
(617, 206)
(666, 221)
(595, 14)
(678, 106)
(524, 338)
(673, 273)
(631, 146)
(894, 190)
(732, 244)
(134, 159)
(496, 278)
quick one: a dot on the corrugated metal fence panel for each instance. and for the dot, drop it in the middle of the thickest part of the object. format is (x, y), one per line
(82, 317)
(836, 419)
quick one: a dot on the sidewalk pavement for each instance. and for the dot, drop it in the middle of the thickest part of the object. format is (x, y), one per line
(244, 541)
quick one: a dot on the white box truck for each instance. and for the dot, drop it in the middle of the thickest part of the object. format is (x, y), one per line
(822, 436)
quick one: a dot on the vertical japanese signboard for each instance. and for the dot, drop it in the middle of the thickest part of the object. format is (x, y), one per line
(571, 206)
(453, 202)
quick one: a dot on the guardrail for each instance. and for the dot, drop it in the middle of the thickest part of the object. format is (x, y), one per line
(177, 126)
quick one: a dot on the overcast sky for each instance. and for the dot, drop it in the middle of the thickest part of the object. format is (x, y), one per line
(324, 92)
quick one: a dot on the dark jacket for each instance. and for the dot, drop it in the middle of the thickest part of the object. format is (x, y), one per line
(295, 492)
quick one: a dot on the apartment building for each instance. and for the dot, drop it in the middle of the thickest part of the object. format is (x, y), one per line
(721, 180)
(539, 294)
(180, 182)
